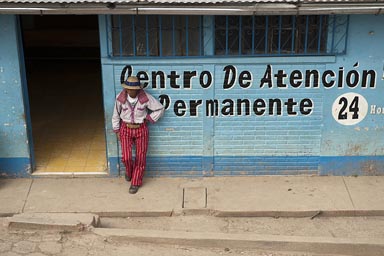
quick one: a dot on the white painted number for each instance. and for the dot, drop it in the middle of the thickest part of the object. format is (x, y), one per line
(349, 108)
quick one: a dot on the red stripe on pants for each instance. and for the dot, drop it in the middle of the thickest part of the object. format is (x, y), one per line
(128, 137)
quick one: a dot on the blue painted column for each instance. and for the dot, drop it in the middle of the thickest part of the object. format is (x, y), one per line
(109, 95)
(15, 153)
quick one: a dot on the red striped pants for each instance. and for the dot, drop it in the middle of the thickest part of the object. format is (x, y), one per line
(128, 137)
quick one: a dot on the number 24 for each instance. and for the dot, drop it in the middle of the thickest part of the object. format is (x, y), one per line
(353, 107)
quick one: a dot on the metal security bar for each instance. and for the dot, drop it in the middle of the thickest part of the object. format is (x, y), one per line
(186, 36)
(156, 35)
(338, 31)
(278, 35)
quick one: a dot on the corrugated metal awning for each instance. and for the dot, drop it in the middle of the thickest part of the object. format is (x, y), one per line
(192, 7)
(211, 2)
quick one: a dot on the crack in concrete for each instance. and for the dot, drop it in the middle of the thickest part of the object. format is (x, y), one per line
(26, 198)
(349, 193)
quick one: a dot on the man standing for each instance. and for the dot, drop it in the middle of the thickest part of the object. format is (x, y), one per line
(133, 108)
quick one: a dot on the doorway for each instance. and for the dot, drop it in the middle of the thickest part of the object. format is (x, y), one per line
(63, 74)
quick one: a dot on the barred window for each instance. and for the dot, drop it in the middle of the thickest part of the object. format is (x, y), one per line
(188, 36)
(270, 35)
(152, 35)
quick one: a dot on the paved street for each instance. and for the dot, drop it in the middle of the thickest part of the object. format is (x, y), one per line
(46, 243)
(208, 216)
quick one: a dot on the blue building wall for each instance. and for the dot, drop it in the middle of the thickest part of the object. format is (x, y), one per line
(309, 136)
(14, 143)
(357, 149)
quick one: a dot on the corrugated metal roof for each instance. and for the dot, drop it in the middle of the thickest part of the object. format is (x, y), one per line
(211, 2)
(189, 7)
(149, 1)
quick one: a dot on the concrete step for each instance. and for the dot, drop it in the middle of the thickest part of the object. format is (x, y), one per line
(322, 245)
(54, 221)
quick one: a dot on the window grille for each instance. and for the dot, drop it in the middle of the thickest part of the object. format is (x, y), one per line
(172, 36)
(151, 35)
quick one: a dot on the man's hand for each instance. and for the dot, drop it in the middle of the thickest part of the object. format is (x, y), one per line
(118, 135)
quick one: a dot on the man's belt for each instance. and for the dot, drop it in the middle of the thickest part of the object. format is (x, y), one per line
(133, 126)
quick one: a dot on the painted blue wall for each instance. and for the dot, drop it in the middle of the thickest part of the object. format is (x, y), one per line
(14, 147)
(357, 149)
(238, 144)
(292, 142)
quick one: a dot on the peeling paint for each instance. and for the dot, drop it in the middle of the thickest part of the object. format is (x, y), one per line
(354, 149)
(28, 169)
(369, 168)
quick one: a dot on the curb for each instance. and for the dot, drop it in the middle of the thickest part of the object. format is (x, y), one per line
(224, 213)
(300, 214)
(7, 214)
(135, 214)
(325, 245)
(260, 214)
(54, 221)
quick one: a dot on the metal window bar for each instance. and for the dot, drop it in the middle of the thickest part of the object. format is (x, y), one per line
(133, 36)
(146, 36)
(240, 31)
(160, 37)
(266, 34)
(226, 35)
(293, 34)
(333, 34)
(279, 36)
(346, 37)
(120, 38)
(201, 33)
(331, 29)
(173, 37)
(306, 34)
(213, 38)
(186, 35)
(319, 34)
(253, 35)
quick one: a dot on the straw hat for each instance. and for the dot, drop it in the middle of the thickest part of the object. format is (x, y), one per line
(132, 83)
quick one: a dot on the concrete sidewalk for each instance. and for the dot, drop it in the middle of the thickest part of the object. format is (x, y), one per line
(289, 196)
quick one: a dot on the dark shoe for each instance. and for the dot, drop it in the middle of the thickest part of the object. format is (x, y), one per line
(127, 178)
(133, 189)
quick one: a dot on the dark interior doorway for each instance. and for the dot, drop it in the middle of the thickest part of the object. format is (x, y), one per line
(65, 92)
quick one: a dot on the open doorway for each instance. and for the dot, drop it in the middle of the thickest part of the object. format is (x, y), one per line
(65, 92)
